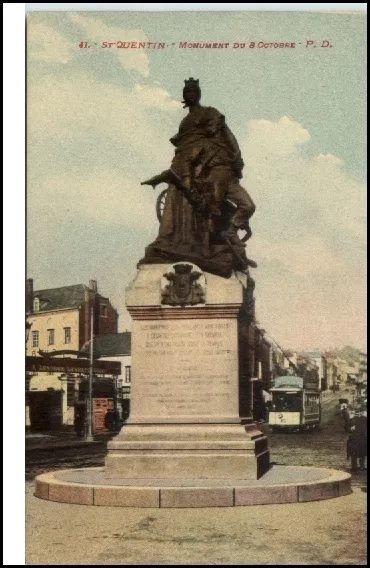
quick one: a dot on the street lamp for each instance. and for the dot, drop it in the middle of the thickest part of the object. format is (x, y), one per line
(27, 374)
(90, 413)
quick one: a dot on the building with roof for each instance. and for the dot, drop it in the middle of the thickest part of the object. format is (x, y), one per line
(256, 358)
(332, 372)
(295, 361)
(319, 359)
(116, 347)
(59, 321)
(363, 367)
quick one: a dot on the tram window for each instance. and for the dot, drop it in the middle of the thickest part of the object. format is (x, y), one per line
(289, 402)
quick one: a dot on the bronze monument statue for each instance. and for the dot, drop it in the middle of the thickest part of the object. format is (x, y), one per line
(205, 207)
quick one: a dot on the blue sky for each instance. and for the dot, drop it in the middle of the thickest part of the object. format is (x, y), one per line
(99, 122)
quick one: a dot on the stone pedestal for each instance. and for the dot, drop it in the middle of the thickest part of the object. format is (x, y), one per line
(186, 418)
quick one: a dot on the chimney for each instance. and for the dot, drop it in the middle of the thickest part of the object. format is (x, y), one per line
(93, 286)
(29, 295)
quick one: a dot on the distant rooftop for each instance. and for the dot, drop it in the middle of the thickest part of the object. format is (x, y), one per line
(63, 297)
(110, 344)
(315, 354)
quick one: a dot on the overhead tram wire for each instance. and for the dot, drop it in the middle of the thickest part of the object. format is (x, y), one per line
(282, 350)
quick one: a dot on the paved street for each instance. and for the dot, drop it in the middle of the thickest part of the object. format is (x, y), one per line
(325, 447)
(48, 453)
(293, 448)
(323, 532)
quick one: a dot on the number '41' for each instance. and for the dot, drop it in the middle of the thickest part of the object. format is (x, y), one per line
(83, 44)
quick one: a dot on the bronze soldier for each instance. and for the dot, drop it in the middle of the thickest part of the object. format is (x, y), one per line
(206, 148)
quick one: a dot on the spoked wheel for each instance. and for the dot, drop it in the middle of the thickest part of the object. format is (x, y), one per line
(161, 200)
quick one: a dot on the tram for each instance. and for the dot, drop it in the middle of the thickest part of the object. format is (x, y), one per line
(294, 404)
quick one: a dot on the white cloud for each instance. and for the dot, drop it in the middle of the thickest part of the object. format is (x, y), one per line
(342, 198)
(114, 133)
(307, 257)
(118, 123)
(309, 239)
(45, 43)
(102, 194)
(289, 185)
(279, 137)
(156, 97)
(96, 30)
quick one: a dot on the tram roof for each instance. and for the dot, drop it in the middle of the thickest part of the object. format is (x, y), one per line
(293, 388)
(289, 377)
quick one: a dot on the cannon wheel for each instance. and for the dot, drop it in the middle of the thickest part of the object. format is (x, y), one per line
(161, 200)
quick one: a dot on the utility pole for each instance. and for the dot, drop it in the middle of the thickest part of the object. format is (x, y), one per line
(90, 410)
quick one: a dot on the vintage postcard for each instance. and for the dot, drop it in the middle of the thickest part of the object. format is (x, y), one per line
(196, 365)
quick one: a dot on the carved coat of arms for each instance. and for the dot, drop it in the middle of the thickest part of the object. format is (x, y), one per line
(183, 288)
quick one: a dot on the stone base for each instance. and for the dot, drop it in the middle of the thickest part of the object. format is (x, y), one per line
(185, 451)
(189, 411)
(280, 485)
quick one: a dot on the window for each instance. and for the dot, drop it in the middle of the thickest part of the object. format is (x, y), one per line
(35, 339)
(127, 374)
(36, 305)
(51, 336)
(288, 402)
(103, 310)
(67, 335)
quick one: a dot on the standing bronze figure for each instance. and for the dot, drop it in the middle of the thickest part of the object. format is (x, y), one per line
(205, 204)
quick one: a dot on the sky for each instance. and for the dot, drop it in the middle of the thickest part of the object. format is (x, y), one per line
(99, 122)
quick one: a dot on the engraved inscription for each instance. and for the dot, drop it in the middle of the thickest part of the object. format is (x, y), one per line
(185, 368)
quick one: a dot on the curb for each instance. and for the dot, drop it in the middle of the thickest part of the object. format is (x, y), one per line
(66, 445)
(159, 494)
(62, 446)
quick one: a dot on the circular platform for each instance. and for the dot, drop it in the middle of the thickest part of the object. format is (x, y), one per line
(281, 484)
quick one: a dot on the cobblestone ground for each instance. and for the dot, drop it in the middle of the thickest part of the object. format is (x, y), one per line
(43, 460)
(317, 533)
(325, 447)
(324, 532)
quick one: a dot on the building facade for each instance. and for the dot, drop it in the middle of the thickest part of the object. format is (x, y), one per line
(257, 368)
(116, 347)
(319, 359)
(297, 362)
(60, 322)
(332, 371)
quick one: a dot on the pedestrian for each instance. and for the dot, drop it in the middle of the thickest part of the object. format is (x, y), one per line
(357, 441)
(79, 421)
(110, 420)
(268, 408)
(347, 415)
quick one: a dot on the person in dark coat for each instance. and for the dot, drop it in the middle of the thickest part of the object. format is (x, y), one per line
(357, 441)
(346, 419)
(79, 421)
(110, 420)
